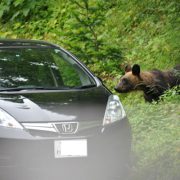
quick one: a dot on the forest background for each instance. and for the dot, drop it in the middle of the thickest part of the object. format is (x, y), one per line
(106, 35)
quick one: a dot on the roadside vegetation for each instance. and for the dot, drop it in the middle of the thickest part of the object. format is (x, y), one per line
(106, 35)
(156, 132)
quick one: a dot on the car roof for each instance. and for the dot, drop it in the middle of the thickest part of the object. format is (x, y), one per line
(24, 43)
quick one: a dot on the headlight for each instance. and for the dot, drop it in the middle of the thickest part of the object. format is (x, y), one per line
(114, 110)
(7, 120)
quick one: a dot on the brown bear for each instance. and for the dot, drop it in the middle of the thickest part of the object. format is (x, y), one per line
(152, 83)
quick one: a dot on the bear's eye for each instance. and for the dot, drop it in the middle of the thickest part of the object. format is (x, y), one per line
(125, 81)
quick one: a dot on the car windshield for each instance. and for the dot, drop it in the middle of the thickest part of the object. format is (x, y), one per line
(40, 68)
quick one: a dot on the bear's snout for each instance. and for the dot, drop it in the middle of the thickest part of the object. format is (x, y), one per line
(117, 89)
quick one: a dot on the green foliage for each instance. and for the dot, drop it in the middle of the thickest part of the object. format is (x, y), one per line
(155, 132)
(21, 10)
(171, 94)
(103, 34)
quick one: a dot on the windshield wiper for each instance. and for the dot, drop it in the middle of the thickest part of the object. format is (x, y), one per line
(85, 86)
(32, 88)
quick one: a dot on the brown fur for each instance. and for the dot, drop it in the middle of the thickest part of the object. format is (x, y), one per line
(152, 83)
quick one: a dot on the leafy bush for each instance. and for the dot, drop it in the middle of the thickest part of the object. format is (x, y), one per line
(171, 94)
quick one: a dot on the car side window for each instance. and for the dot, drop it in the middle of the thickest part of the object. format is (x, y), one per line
(71, 74)
(68, 74)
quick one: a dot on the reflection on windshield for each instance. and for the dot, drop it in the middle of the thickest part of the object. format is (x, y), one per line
(40, 67)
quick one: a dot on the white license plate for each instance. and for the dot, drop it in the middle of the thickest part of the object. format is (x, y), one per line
(70, 148)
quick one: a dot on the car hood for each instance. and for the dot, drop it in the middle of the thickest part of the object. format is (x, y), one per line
(56, 106)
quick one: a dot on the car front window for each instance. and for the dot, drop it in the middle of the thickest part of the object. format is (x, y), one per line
(40, 67)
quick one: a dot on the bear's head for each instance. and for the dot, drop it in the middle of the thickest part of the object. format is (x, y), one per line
(131, 80)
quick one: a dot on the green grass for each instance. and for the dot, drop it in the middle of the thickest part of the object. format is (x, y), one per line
(156, 133)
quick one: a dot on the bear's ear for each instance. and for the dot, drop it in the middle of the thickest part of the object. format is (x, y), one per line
(127, 68)
(136, 70)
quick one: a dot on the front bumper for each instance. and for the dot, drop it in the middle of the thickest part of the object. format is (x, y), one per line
(26, 157)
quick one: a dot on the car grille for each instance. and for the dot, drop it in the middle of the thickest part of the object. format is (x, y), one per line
(55, 129)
